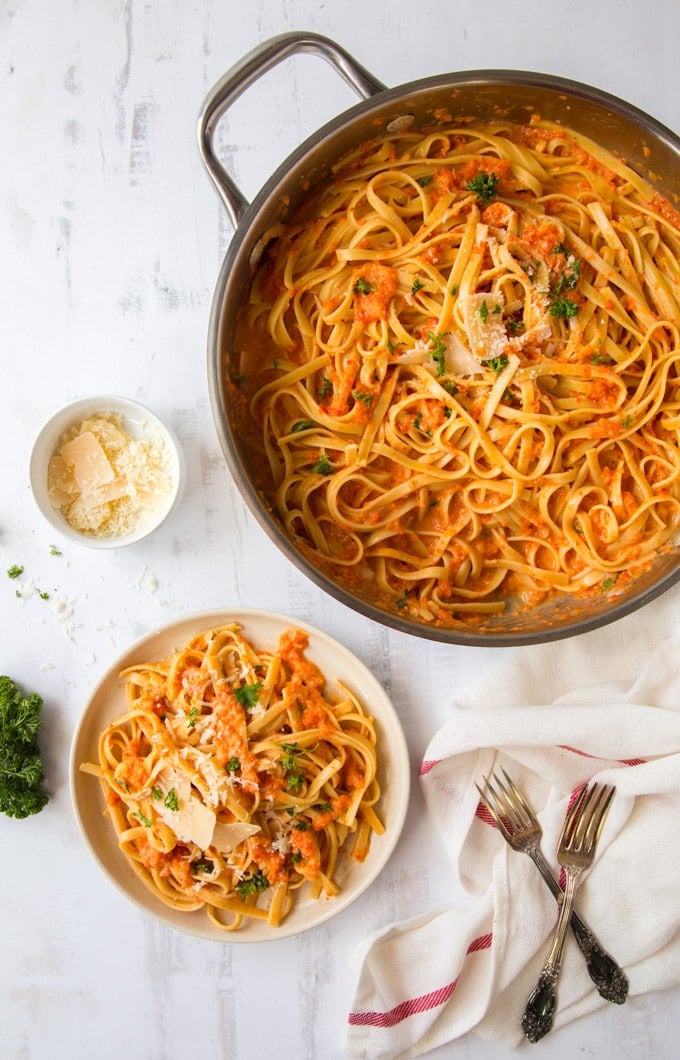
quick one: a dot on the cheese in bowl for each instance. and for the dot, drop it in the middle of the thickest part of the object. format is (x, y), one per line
(106, 471)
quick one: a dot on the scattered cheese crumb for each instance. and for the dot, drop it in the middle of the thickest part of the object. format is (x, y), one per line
(104, 481)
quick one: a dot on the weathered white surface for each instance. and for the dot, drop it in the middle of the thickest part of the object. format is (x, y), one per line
(111, 240)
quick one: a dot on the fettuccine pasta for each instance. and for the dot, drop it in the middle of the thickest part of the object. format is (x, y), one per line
(234, 779)
(458, 371)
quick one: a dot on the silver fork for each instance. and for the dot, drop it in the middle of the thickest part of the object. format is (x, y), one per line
(575, 853)
(521, 829)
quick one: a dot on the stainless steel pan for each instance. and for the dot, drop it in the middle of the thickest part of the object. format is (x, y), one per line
(648, 147)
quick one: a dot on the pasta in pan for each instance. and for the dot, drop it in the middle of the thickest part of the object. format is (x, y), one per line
(458, 371)
(233, 779)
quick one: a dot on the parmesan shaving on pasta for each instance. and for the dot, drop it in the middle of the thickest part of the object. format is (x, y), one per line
(104, 481)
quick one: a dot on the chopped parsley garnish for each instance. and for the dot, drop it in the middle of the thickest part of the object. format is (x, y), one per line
(438, 352)
(600, 358)
(302, 826)
(361, 395)
(627, 420)
(192, 717)
(515, 326)
(325, 387)
(424, 180)
(15, 571)
(289, 763)
(403, 599)
(325, 807)
(563, 307)
(497, 363)
(362, 286)
(323, 466)
(171, 800)
(484, 187)
(202, 866)
(417, 285)
(252, 885)
(145, 820)
(157, 793)
(560, 306)
(302, 425)
(42, 594)
(247, 695)
(484, 311)
(54, 551)
(233, 765)
(609, 583)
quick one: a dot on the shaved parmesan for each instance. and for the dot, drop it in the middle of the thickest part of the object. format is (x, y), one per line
(483, 319)
(190, 821)
(228, 836)
(104, 481)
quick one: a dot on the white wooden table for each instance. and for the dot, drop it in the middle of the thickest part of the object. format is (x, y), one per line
(111, 239)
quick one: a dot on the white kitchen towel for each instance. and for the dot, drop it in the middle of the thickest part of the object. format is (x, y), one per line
(604, 705)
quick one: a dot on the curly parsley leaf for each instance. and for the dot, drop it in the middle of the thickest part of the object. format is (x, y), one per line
(484, 187)
(21, 767)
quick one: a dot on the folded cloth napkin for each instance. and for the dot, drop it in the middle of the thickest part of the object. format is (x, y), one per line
(604, 705)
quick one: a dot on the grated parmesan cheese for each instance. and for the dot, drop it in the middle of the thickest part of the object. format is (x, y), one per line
(106, 482)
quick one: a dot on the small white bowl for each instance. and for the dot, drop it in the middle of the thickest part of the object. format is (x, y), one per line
(139, 422)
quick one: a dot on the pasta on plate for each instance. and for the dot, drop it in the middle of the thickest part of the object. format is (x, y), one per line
(233, 779)
(458, 371)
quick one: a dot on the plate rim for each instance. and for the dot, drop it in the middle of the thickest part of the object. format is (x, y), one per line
(397, 760)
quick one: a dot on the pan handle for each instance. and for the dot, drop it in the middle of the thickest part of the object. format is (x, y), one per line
(245, 73)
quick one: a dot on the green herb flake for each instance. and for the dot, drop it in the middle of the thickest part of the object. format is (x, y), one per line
(362, 286)
(325, 387)
(563, 307)
(15, 571)
(497, 363)
(323, 466)
(361, 395)
(54, 551)
(484, 187)
(438, 352)
(252, 885)
(171, 800)
(424, 180)
(484, 312)
(302, 425)
(192, 717)
(144, 820)
(233, 765)
(157, 793)
(202, 866)
(247, 695)
(403, 599)
(417, 285)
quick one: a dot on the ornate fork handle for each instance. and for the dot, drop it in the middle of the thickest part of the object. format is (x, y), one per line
(609, 979)
(540, 1007)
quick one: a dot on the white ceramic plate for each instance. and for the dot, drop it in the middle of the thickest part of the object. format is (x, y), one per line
(262, 628)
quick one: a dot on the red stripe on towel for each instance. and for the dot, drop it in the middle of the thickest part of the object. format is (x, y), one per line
(414, 1005)
(427, 764)
(621, 761)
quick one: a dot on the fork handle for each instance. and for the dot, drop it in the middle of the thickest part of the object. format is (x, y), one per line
(608, 977)
(542, 1002)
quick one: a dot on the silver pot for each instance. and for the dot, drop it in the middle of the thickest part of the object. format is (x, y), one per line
(647, 146)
